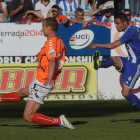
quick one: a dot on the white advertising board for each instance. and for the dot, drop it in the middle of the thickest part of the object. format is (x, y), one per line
(109, 84)
(21, 39)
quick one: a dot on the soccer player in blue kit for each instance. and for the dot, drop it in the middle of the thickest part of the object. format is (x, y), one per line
(129, 66)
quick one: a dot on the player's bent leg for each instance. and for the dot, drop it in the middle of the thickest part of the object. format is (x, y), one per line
(125, 90)
(117, 62)
(133, 99)
(15, 96)
(35, 99)
(105, 63)
(30, 109)
(9, 97)
(31, 115)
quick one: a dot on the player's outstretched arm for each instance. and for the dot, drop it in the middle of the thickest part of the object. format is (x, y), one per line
(106, 46)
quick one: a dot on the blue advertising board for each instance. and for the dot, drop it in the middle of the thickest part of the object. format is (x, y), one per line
(78, 39)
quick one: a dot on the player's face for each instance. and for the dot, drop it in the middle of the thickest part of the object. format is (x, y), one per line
(121, 26)
(45, 29)
(80, 15)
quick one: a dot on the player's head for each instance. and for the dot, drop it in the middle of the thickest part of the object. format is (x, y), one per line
(121, 22)
(79, 13)
(127, 12)
(49, 25)
(55, 12)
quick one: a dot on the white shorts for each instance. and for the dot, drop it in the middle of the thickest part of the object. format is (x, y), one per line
(37, 91)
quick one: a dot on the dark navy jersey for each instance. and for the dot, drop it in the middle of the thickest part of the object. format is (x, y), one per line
(131, 39)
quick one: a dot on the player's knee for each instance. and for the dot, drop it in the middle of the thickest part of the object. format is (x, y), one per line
(21, 94)
(124, 93)
(115, 58)
(27, 118)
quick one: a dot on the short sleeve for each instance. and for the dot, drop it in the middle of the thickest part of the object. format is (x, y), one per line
(37, 6)
(51, 48)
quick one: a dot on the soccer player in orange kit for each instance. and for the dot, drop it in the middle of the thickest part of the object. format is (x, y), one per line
(50, 61)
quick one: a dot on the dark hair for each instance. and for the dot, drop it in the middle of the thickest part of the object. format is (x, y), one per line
(79, 10)
(122, 17)
(52, 22)
(127, 10)
(56, 6)
(108, 10)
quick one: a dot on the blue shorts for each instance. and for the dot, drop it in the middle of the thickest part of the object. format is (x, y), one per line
(131, 72)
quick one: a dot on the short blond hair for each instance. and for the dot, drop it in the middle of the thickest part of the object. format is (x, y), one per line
(52, 22)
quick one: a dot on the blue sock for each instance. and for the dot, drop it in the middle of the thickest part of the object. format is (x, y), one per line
(105, 63)
(133, 99)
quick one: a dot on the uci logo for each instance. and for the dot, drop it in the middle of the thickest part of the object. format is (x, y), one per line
(81, 39)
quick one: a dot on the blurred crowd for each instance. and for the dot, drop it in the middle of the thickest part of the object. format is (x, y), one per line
(65, 11)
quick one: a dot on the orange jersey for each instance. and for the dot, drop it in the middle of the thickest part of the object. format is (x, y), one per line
(54, 47)
(61, 18)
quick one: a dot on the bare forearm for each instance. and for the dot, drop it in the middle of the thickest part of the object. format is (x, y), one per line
(12, 13)
(92, 20)
(76, 20)
(94, 3)
(5, 13)
(38, 14)
(106, 46)
(51, 69)
(49, 14)
(93, 12)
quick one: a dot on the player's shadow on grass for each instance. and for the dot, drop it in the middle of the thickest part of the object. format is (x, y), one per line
(43, 126)
(79, 122)
(32, 126)
(72, 109)
(130, 120)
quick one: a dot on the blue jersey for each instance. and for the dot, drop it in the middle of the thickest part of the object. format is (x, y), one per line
(131, 39)
(68, 9)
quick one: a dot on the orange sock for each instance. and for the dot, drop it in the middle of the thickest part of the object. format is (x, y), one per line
(10, 97)
(45, 120)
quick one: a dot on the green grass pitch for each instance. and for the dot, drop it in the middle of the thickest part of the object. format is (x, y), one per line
(93, 120)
